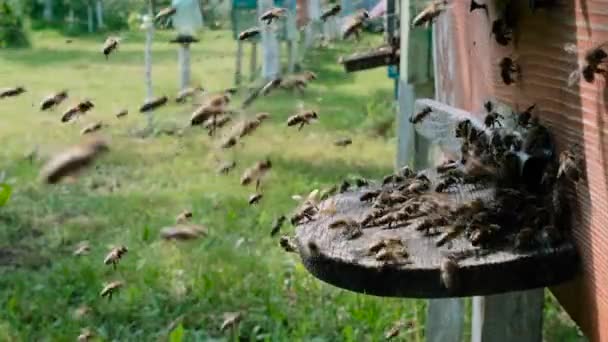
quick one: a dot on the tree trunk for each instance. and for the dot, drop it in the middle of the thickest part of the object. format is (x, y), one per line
(99, 8)
(90, 17)
(48, 10)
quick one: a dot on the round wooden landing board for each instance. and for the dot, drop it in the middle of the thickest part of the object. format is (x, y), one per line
(347, 263)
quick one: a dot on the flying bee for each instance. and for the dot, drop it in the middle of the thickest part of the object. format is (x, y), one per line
(53, 100)
(183, 232)
(76, 110)
(231, 320)
(10, 92)
(85, 335)
(256, 173)
(525, 239)
(449, 269)
(122, 113)
(110, 45)
(277, 224)
(114, 256)
(226, 167)
(445, 183)
(184, 216)
(332, 12)
(492, 120)
(249, 33)
(354, 26)
(344, 186)
(569, 166)
(82, 248)
(418, 117)
(255, 199)
(427, 223)
(274, 13)
(229, 142)
(509, 70)
(302, 119)
(395, 329)
(204, 113)
(430, 13)
(165, 13)
(288, 245)
(308, 211)
(343, 142)
(153, 104)
(110, 288)
(187, 93)
(72, 160)
(93, 127)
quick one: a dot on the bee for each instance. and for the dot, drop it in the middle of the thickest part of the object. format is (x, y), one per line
(429, 222)
(184, 216)
(53, 100)
(344, 187)
(10, 92)
(353, 27)
(183, 232)
(255, 199)
(114, 256)
(271, 85)
(302, 119)
(342, 142)
(407, 172)
(352, 228)
(509, 70)
(122, 113)
(256, 172)
(525, 239)
(523, 118)
(481, 235)
(216, 122)
(392, 179)
(85, 335)
(569, 166)
(249, 33)
(492, 120)
(361, 182)
(153, 104)
(288, 245)
(165, 13)
(250, 126)
(595, 57)
(229, 142)
(447, 166)
(395, 329)
(308, 211)
(110, 45)
(328, 192)
(82, 248)
(512, 141)
(110, 288)
(274, 13)
(430, 13)
(277, 224)
(187, 93)
(418, 117)
(449, 269)
(372, 216)
(93, 127)
(392, 218)
(502, 32)
(389, 250)
(226, 167)
(445, 183)
(332, 12)
(72, 160)
(231, 320)
(475, 6)
(369, 195)
(449, 235)
(78, 109)
(419, 184)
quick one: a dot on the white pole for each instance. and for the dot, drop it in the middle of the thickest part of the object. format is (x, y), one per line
(48, 10)
(184, 65)
(149, 27)
(90, 16)
(270, 45)
(99, 8)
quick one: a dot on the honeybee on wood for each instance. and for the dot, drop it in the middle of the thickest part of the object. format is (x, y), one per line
(165, 13)
(187, 93)
(288, 245)
(78, 109)
(352, 228)
(361, 182)
(277, 224)
(420, 184)
(231, 320)
(270, 86)
(183, 232)
(492, 120)
(114, 256)
(344, 186)
(255, 199)
(407, 172)
(72, 160)
(249, 33)
(302, 119)
(83, 248)
(453, 232)
(10, 92)
(372, 216)
(343, 142)
(369, 195)
(502, 32)
(53, 100)
(184, 216)
(523, 118)
(447, 166)
(215, 122)
(594, 62)
(92, 127)
(328, 192)
(430, 13)
(418, 117)
(122, 113)
(392, 179)
(331, 12)
(274, 13)
(110, 45)
(354, 24)
(391, 219)
(226, 167)
(509, 70)
(449, 269)
(481, 235)
(110, 288)
(445, 183)
(256, 173)
(153, 104)
(390, 251)
(569, 166)
(85, 335)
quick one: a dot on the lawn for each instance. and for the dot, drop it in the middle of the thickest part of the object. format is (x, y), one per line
(142, 184)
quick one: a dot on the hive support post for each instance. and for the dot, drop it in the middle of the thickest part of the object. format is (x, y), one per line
(253, 66)
(239, 63)
(270, 45)
(184, 65)
(515, 316)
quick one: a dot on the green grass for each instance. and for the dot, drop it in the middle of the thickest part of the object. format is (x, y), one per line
(143, 184)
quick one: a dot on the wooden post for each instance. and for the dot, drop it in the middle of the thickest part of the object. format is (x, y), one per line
(253, 66)
(184, 65)
(239, 63)
(270, 45)
(149, 27)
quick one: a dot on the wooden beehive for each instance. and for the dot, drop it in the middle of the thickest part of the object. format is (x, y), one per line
(467, 74)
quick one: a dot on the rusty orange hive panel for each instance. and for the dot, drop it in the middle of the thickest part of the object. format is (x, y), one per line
(467, 74)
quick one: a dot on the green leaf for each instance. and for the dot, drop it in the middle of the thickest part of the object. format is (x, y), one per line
(5, 193)
(145, 234)
(177, 335)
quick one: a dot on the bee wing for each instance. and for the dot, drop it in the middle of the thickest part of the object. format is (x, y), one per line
(574, 77)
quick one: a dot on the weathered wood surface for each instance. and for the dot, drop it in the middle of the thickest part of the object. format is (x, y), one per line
(346, 263)
(577, 115)
(382, 56)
